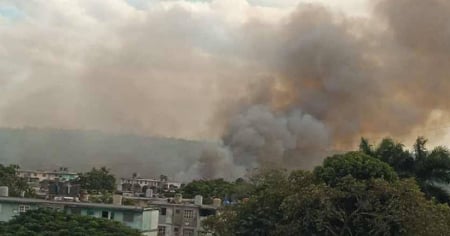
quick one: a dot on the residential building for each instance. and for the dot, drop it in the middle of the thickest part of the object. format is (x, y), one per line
(144, 219)
(178, 217)
(140, 185)
(37, 176)
(181, 219)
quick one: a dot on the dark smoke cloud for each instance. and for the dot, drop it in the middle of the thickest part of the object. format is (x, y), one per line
(380, 76)
(259, 136)
(278, 87)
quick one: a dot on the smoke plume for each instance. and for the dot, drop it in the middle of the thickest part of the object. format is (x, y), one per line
(278, 86)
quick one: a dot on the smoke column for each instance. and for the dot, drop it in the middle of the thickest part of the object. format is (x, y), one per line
(277, 86)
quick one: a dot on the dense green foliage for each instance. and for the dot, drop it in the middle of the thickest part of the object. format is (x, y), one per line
(351, 194)
(47, 222)
(97, 180)
(16, 185)
(219, 188)
(431, 169)
(358, 165)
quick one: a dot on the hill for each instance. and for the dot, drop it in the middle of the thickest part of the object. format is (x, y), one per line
(33, 148)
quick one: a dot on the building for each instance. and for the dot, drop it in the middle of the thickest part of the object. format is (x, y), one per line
(37, 176)
(140, 185)
(43, 180)
(181, 219)
(144, 219)
(178, 217)
(63, 189)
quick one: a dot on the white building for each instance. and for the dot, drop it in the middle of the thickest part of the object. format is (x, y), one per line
(140, 185)
(63, 174)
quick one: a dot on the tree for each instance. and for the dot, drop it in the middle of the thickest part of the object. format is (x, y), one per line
(394, 154)
(365, 147)
(46, 222)
(355, 164)
(350, 194)
(363, 207)
(16, 185)
(99, 180)
(430, 169)
(219, 188)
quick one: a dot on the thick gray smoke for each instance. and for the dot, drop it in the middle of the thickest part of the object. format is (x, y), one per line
(380, 76)
(279, 86)
(259, 136)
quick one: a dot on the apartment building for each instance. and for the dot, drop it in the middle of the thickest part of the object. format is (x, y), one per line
(140, 185)
(37, 176)
(144, 219)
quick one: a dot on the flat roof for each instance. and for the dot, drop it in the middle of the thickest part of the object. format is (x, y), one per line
(163, 202)
(74, 204)
(49, 172)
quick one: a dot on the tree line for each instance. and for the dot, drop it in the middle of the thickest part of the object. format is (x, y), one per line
(376, 190)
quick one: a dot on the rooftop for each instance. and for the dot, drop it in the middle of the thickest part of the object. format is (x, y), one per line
(73, 204)
(164, 202)
(48, 172)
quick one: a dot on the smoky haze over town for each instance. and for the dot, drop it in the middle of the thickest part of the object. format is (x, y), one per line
(208, 89)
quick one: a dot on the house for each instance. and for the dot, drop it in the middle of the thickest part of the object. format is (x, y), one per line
(144, 219)
(37, 176)
(182, 219)
(178, 216)
(44, 181)
(140, 185)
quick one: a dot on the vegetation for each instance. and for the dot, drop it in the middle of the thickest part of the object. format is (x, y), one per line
(97, 181)
(431, 169)
(216, 188)
(350, 194)
(358, 165)
(47, 222)
(16, 185)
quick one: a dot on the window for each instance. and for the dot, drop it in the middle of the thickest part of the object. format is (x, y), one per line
(161, 230)
(188, 214)
(75, 211)
(163, 211)
(188, 232)
(90, 212)
(176, 231)
(23, 208)
(105, 214)
(207, 212)
(112, 215)
(177, 211)
(128, 216)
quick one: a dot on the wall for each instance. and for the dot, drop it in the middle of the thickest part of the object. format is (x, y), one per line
(9, 209)
(150, 222)
(137, 222)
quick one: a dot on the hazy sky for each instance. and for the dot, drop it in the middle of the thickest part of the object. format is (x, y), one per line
(147, 66)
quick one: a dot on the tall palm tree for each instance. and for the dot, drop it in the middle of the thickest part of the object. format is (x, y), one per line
(430, 169)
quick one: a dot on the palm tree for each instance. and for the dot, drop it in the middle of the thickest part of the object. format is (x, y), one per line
(430, 169)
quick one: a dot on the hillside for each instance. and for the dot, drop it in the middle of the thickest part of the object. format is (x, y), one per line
(80, 150)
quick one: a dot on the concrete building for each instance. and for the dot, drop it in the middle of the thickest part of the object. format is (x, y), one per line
(177, 216)
(143, 219)
(37, 176)
(181, 219)
(140, 185)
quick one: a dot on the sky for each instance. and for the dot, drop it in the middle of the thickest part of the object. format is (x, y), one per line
(151, 67)
(268, 81)
(50, 76)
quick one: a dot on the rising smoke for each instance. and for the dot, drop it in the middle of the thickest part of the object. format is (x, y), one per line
(278, 87)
